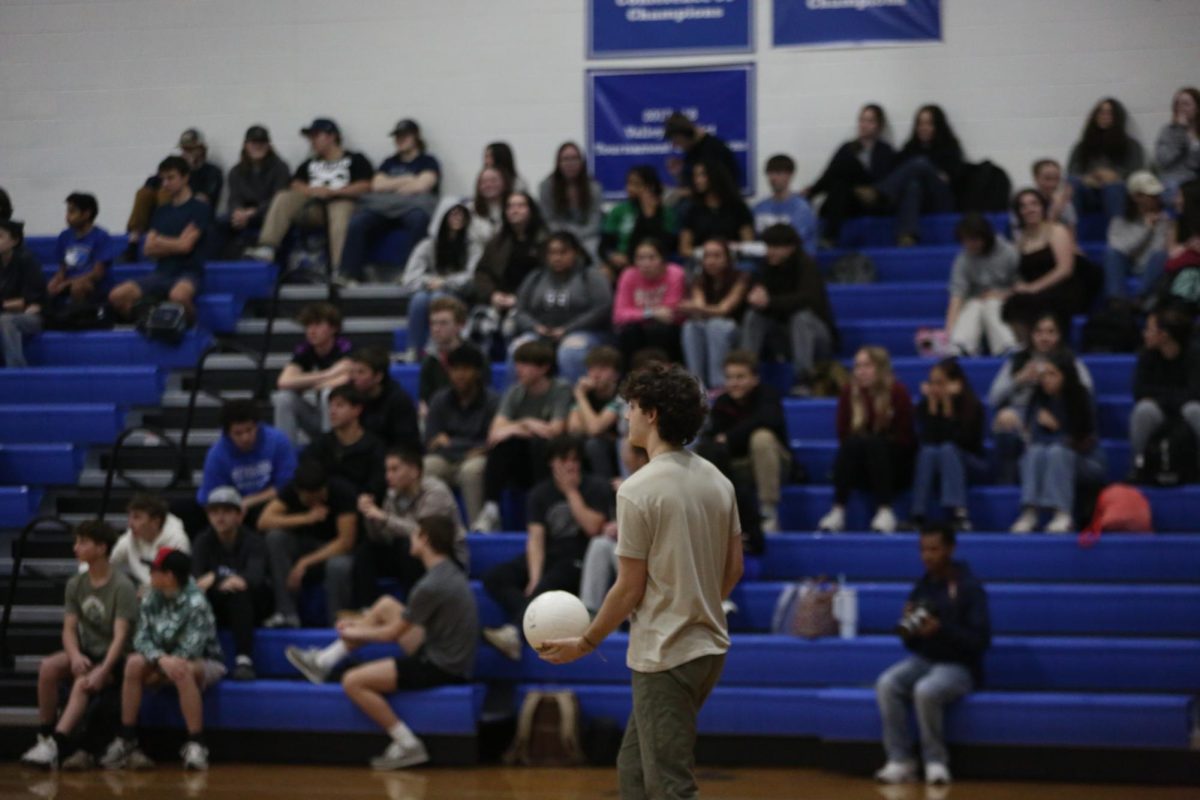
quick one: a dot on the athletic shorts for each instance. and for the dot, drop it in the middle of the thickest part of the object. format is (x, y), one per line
(212, 672)
(418, 672)
(158, 285)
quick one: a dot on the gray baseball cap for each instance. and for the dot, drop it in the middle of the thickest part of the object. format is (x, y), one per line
(224, 496)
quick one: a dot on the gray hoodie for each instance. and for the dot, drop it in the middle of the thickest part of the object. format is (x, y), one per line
(577, 300)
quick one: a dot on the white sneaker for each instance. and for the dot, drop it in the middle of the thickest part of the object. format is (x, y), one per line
(1026, 522)
(833, 522)
(936, 774)
(262, 252)
(43, 755)
(1060, 523)
(79, 761)
(125, 754)
(195, 756)
(770, 524)
(884, 520)
(305, 662)
(488, 520)
(396, 756)
(897, 772)
(278, 620)
(505, 639)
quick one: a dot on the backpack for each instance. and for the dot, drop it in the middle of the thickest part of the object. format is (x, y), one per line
(1170, 457)
(984, 187)
(1120, 508)
(805, 609)
(853, 268)
(1184, 289)
(1112, 329)
(166, 323)
(79, 317)
(548, 731)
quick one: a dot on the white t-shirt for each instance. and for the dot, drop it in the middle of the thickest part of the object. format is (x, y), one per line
(134, 556)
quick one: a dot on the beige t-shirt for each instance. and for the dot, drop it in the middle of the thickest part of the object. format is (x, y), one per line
(678, 514)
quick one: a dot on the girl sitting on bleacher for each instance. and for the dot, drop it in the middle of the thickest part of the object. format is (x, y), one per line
(718, 298)
(1062, 448)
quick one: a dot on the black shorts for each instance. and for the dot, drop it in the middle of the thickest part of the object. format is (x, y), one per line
(157, 285)
(418, 672)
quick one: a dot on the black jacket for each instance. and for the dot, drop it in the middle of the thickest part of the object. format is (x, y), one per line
(360, 464)
(392, 416)
(1168, 383)
(961, 605)
(762, 408)
(23, 278)
(797, 285)
(845, 168)
(964, 427)
(248, 558)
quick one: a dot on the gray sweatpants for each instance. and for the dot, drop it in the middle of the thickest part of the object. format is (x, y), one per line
(284, 547)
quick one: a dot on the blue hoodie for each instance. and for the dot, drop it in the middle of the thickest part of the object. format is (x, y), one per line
(270, 463)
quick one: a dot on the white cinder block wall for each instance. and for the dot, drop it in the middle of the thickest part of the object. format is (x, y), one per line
(93, 93)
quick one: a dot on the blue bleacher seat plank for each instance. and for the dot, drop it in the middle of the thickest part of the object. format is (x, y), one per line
(78, 423)
(126, 385)
(117, 347)
(40, 464)
(18, 505)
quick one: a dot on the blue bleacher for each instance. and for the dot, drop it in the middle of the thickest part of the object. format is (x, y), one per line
(934, 229)
(18, 505)
(117, 347)
(79, 423)
(40, 464)
(128, 385)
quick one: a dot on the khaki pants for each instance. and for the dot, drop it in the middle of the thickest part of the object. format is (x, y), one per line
(290, 206)
(658, 753)
(767, 460)
(145, 202)
(466, 475)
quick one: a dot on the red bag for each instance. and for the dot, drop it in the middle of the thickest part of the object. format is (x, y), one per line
(1120, 508)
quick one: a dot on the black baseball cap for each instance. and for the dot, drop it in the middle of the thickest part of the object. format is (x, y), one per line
(15, 229)
(321, 125)
(404, 127)
(257, 133)
(177, 562)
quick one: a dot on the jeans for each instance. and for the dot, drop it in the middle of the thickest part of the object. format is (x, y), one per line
(505, 583)
(1148, 417)
(418, 319)
(283, 548)
(809, 338)
(301, 411)
(1109, 198)
(706, 342)
(14, 329)
(913, 187)
(572, 351)
(362, 230)
(978, 321)
(950, 466)
(1049, 473)
(1118, 267)
(599, 572)
(931, 686)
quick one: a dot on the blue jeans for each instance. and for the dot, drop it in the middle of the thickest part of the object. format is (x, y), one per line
(418, 318)
(950, 466)
(363, 228)
(706, 342)
(1118, 267)
(572, 351)
(1009, 448)
(932, 687)
(15, 328)
(1109, 198)
(913, 187)
(1049, 473)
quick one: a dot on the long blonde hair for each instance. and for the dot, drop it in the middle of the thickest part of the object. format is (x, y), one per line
(879, 394)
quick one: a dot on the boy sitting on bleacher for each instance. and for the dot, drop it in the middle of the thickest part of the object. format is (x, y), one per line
(99, 612)
(22, 291)
(437, 630)
(151, 528)
(83, 253)
(254, 458)
(319, 364)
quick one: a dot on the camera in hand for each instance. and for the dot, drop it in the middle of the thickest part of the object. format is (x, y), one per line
(911, 622)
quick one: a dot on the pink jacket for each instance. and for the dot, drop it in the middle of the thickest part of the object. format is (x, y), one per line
(635, 294)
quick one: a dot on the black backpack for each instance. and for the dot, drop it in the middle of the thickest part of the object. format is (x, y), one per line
(1170, 457)
(984, 187)
(1112, 328)
(166, 322)
(853, 268)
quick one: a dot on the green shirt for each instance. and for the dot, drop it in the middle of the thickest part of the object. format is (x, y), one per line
(98, 608)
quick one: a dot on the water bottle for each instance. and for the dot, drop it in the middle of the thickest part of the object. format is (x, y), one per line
(845, 609)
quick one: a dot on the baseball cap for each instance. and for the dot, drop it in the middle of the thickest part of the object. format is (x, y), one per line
(321, 125)
(257, 133)
(224, 496)
(15, 229)
(406, 126)
(192, 137)
(175, 562)
(1144, 182)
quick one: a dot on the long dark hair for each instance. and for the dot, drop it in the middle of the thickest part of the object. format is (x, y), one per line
(562, 185)
(503, 160)
(1016, 205)
(450, 249)
(533, 228)
(943, 135)
(1080, 423)
(1113, 143)
(952, 369)
(649, 177)
(1194, 93)
(880, 116)
(1188, 224)
(245, 162)
(6, 209)
(720, 183)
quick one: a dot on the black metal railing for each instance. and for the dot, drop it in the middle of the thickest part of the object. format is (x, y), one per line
(331, 293)
(18, 557)
(181, 471)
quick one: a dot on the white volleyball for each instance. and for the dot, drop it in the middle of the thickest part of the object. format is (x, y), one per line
(554, 615)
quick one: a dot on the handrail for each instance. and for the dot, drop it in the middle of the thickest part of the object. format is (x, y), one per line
(331, 292)
(6, 657)
(181, 465)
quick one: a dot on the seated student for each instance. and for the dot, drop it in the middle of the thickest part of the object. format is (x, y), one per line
(441, 266)
(946, 660)
(1137, 239)
(699, 146)
(438, 631)
(1177, 148)
(229, 564)
(318, 364)
(565, 511)
(487, 214)
(99, 611)
(499, 156)
(175, 242)
(22, 292)
(600, 562)
(1102, 160)
(877, 442)
(84, 252)
(923, 177)
(716, 211)
(513, 253)
(251, 456)
(323, 191)
(532, 412)
(1060, 428)
(203, 178)
(1053, 276)
(950, 439)
(597, 409)
(313, 523)
(151, 528)
(404, 193)
(857, 164)
(642, 215)
(411, 496)
(647, 307)
(566, 304)
(1166, 383)
(1013, 387)
(747, 430)
(176, 643)
(983, 275)
(348, 450)
(388, 411)
(447, 316)
(716, 305)
(571, 200)
(789, 307)
(1048, 180)
(456, 428)
(254, 181)
(783, 207)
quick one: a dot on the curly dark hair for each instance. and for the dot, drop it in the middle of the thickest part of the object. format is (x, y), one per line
(675, 394)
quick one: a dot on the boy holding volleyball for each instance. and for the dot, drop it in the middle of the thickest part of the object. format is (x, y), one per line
(437, 631)
(680, 551)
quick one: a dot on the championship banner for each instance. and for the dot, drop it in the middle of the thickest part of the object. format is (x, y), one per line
(625, 28)
(815, 23)
(627, 108)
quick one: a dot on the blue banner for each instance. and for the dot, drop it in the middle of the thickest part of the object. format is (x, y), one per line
(626, 111)
(620, 28)
(833, 22)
